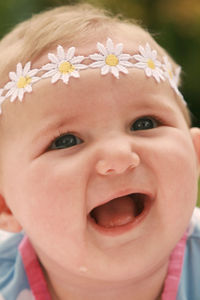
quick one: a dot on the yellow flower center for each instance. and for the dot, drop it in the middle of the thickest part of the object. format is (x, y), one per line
(65, 67)
(112, 60)
(23, 82)
(151, 64)
(170, 73)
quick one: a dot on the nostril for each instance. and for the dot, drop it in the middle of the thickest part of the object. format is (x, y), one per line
(117, 164)
(110, 171)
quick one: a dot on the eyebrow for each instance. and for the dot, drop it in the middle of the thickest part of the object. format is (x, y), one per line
(52, 124)
(156, 103)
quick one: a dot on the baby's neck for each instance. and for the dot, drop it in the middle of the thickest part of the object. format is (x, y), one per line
(149, 289)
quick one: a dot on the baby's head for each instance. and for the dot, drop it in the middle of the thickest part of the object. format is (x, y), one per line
(100, 166)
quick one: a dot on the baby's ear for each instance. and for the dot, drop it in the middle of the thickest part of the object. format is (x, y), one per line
(7, 220)
(195, 133)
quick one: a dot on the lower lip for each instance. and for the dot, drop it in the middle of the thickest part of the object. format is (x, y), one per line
(118, 230)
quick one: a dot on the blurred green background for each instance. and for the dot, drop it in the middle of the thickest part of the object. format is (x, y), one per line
(175, 23)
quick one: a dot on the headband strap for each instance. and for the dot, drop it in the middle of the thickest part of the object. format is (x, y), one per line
(109, 59)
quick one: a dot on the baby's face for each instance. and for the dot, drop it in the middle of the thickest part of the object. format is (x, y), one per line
(101, 174)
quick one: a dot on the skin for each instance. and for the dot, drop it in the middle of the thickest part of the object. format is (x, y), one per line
(56, 189)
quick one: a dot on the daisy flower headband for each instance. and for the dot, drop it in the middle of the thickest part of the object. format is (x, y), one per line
(109, 59)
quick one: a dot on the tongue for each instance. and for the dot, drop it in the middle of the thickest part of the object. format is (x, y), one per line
(117, 212)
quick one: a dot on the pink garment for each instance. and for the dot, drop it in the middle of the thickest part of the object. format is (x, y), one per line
(33, 271)
(39, 287)
(174, 270)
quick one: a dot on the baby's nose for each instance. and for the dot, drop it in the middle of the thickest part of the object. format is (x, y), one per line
(117, 159)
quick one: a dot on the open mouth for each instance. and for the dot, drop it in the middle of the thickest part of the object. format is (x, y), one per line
(121, 211)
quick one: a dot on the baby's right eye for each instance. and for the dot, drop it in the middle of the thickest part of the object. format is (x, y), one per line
(65, 141)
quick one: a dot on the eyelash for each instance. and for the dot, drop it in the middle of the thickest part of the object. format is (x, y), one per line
(158, 120)
(59, 135)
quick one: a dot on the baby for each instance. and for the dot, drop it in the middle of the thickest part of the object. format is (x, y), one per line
(99, 163)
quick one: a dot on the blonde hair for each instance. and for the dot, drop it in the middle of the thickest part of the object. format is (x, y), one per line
(70, 24)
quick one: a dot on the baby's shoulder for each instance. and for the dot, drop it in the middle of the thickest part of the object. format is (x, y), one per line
(13, 281)
(189, 287)
(8, 252)
(194, 227)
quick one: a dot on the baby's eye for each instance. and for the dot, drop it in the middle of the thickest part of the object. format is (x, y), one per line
(65, 141)
(144, 123)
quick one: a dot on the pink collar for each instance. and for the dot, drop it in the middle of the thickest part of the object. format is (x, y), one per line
(39, 287)
(33, 271)
(174, 270)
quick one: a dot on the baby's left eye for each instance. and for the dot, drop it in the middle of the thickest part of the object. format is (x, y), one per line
(65, 141)
(144, 123)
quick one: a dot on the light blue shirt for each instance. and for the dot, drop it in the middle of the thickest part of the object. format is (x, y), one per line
(14, 284)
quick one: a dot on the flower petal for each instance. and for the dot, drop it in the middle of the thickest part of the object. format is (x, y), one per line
(118, 49)
(138, 57)
(55, 77)
(35, 79)
(10, 85)
(13, 76)
(14, 95)
(102, 49)
(75, 74)
(97, 64)
(28, 88)
(110, 46)
(21, 94)
(65, 78)
(124, 56)
(115, 72)
(142, 51)
(81, 66)
(10, 92)
(77, 59)
(148, 72)
(26, 68)
(96, 56)
(156, 76)
(153, 54)
(32, 73)
(48, 67)
(19, 70)
(49, 74)
(140, 65)
(105, 69)
(60, 53)
(52, 57)
(122, 69)
(126, 64)
(70, 53)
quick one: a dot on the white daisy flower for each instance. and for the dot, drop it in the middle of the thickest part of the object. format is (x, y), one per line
(63, 65)
(21, 81)
(168, 71)
(172, 77)
(147, 60)
(111, 59)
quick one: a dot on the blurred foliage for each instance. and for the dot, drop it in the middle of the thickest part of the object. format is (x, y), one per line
(174, 23)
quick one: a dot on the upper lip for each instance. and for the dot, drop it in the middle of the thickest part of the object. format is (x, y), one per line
(121, 193)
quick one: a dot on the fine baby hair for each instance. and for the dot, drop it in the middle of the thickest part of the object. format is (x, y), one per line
(99, 163)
